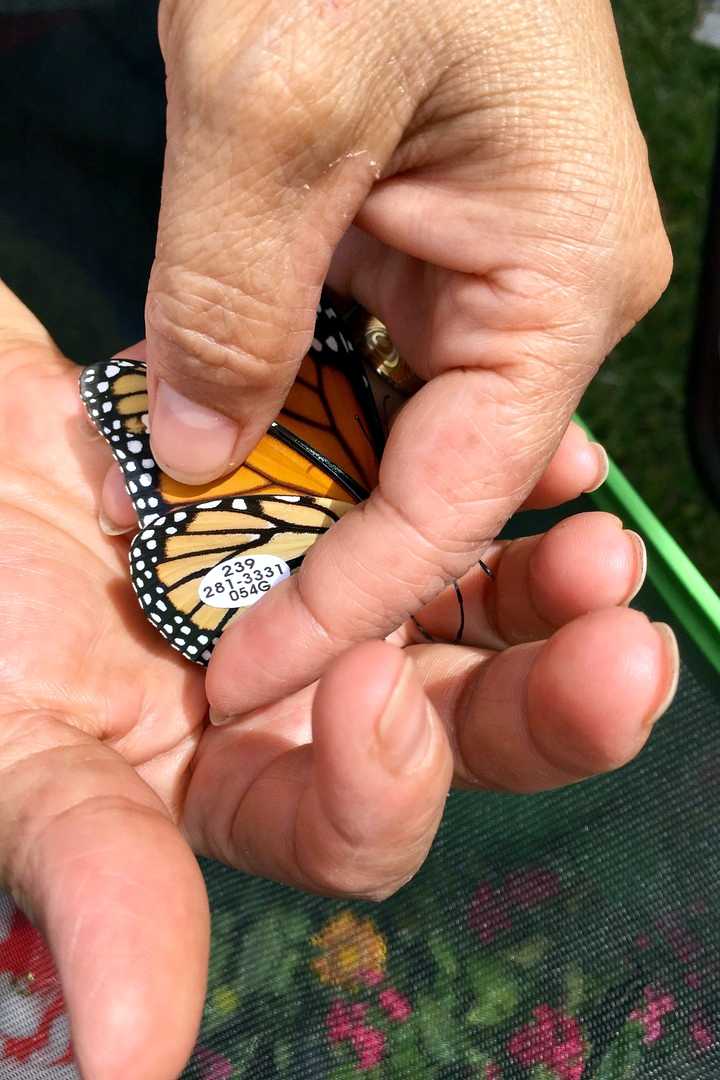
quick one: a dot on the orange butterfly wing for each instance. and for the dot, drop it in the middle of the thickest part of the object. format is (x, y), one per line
(322, 410)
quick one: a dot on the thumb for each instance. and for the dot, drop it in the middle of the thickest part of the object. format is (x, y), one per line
(271, 150)
(90, 854)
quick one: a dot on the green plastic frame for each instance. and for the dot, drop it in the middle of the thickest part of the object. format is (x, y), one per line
(692, 600)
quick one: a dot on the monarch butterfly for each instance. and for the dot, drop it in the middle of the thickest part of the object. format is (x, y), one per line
(204, 553)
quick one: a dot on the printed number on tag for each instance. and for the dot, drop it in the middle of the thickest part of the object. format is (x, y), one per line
(240, 582)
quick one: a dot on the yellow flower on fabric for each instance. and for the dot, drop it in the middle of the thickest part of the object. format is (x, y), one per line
(352, 952)
(225, 1000)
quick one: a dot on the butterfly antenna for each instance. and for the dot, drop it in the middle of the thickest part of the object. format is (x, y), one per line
(386, 412)
(366, 433)
(461, 605)
(486, 568)
(423, 631)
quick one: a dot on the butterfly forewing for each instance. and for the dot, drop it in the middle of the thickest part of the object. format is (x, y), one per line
(115, 396)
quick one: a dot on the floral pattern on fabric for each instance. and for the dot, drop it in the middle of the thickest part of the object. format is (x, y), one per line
(573, 935)
(34, 1031)
(355, 993)
(499, 985)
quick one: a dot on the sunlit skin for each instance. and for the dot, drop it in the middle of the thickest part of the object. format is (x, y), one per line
(473, 174)
(112, 775)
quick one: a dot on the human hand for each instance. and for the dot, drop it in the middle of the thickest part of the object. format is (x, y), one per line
(473, 174)
(112, 776)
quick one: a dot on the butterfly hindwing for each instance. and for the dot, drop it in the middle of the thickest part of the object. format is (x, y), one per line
(196, 567)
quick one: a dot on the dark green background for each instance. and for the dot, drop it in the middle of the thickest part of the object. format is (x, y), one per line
(636, 404)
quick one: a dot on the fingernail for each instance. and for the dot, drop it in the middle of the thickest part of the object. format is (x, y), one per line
(603, 467)
(672, 661)
(640, 564)
(218, 720)
(405, 728)
(111, 528)
(190, 442)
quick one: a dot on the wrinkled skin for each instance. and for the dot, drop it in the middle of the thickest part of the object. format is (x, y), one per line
(472, 173)
(112, 776)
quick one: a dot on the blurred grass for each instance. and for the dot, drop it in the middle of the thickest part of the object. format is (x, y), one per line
(636, 404)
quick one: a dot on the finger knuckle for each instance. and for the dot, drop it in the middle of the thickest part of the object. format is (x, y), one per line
(362, 864)
(430, 561)
(356, 872)
(277, 76)
(642, 242)
(651, 270)
(225, 335)
(354, 883)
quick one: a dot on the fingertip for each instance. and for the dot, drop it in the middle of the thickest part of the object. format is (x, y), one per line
(602, 467)
(191, 442)
(585, 563)
(133, 986)
(406, 731)
(577, 467)
(382, 769)
(583, 460)
(671, 653)
(116, 514)
(364, 679)
(640, 564)
(594, 689)
(372, 702)
(243, 673)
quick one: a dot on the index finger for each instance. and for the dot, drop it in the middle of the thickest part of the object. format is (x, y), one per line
(462, 455)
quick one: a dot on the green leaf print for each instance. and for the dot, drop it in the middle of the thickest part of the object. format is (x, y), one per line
(622, 1059)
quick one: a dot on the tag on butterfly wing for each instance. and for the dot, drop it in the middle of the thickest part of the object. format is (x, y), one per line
(188, 562)
(240, 581)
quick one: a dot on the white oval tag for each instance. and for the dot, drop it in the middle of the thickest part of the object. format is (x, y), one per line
(242, 580)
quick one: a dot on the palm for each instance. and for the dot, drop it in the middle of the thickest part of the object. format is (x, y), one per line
(61, 578)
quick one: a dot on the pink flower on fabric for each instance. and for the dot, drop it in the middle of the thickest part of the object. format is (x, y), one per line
(369, 1045)
(346, 1023)
(213, 1066)
(702, 1035)
(372, 978)
(490, 908)
(650, 1015)
(337, 1022)
(342, 1019)
(678, 938)
(552, 1039)
(492, 1071)
(529, 888)
(488, 915)
(394, 1004)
